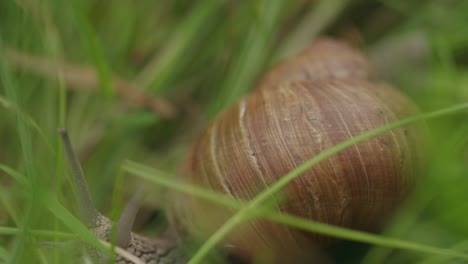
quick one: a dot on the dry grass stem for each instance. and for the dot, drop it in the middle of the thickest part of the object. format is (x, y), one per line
(84, 77)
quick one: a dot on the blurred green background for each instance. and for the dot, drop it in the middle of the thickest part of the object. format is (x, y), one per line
(140, 79)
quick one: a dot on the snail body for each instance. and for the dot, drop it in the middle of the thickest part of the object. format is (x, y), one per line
(287, 121)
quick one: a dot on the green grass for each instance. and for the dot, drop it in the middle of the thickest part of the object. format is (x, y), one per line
(199, 57)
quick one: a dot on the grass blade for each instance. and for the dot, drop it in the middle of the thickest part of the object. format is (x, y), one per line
(7, 81)
(165, 63)
(321, 16)
(5, 230)
(93, 47)
(252, 56)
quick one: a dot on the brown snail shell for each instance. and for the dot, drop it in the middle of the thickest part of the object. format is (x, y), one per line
(272, 131)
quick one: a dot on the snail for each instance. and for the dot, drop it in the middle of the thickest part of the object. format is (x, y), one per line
(298, 109)
(325, 95)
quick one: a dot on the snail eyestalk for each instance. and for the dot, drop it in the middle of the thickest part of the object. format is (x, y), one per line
(125, 223)
(88, 212)
(139, 249)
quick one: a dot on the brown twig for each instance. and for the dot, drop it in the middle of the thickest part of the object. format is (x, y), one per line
(84, 77)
